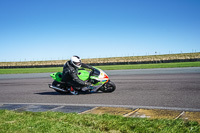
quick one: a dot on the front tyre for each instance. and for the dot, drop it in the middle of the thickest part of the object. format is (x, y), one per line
(108, 87)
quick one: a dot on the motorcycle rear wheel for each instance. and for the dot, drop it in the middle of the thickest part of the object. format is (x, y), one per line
(57, 84)
(108, 87)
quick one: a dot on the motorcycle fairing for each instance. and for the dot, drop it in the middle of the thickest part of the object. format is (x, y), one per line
(56, 76)
(102, 78)
(99, 75)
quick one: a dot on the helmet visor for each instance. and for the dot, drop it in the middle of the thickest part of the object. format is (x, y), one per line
(77, 63)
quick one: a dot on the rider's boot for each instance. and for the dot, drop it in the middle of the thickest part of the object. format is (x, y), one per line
(74, 92)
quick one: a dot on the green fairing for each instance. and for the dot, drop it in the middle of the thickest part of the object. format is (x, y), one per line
(56, 76)
(98, 83)
(82, 74)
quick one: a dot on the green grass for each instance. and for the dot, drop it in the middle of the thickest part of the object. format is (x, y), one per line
(108, 67)
(149, 66)
(30, 70)
(54, 122)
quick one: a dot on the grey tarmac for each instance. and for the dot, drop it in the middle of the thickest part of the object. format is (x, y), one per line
(171, 88)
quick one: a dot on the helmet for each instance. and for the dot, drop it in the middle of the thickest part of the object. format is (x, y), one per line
(76, 61)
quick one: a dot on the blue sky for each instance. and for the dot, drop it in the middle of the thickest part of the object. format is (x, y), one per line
(58, 29)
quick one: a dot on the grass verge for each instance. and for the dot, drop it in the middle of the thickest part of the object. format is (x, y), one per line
(108, 67)
(30, 70)
(149, 66)
(84, 123)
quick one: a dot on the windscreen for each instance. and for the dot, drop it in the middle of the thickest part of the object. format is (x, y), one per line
(96, 72)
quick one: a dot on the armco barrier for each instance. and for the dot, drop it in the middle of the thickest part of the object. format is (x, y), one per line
(107, 63)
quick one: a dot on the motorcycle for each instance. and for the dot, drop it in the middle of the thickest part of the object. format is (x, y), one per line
(98, 78)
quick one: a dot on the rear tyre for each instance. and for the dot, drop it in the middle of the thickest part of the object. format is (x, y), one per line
(108, 87)
(57, 84)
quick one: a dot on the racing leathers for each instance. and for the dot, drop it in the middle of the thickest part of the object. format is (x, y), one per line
(70, 75)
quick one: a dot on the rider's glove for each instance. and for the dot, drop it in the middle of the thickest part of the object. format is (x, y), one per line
(93, 69)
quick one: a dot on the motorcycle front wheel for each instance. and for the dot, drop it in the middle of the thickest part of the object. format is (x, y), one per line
(108, 87)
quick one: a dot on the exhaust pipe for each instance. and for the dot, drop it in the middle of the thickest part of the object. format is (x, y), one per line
(56, 88)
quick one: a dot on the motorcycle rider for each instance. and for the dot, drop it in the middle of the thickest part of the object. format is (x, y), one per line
(70, 74)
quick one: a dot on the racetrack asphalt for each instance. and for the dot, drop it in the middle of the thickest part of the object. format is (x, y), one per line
(165, 88)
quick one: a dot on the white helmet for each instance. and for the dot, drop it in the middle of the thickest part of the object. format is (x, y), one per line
(76, 61)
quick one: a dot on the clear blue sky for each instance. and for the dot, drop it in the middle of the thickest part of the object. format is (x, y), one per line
(58, 29)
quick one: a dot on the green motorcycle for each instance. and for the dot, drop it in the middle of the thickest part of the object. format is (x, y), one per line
(99, 79)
